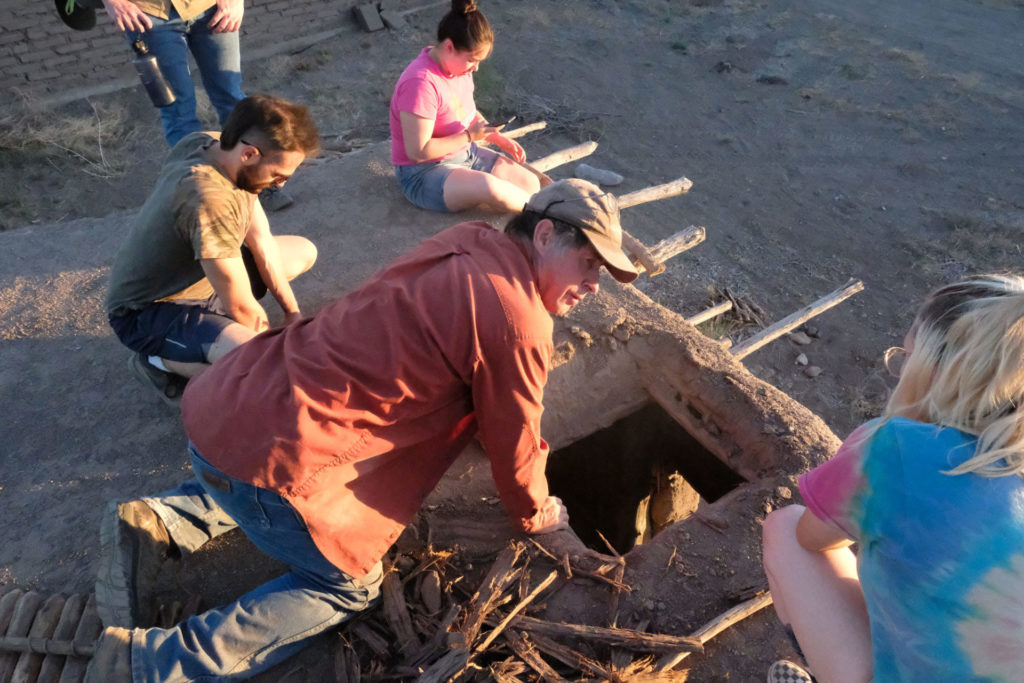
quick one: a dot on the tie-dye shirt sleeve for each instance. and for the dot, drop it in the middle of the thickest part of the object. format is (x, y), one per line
(827, 490)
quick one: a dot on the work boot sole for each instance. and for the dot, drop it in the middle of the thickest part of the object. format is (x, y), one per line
(127, 573)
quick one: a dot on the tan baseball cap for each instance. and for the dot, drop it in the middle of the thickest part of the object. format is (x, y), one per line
(595, 212)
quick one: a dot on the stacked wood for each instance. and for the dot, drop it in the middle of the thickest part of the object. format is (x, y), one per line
(432, 628)
(46, 640)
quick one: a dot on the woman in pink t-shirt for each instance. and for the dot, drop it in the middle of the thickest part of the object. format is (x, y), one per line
(435, 126)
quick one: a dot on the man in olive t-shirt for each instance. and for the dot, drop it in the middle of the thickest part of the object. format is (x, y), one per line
(185, 285)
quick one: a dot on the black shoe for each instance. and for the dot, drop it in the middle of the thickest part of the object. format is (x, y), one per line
(134, 543)
(169, 385)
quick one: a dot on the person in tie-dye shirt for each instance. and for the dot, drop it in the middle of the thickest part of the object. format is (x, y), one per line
(933, 495)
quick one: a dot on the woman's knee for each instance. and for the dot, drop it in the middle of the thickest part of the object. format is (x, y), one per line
(778, 534)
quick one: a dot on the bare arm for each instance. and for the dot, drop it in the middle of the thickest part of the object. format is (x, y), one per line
(231, 282)
(817, 536)
(267, 255)
(420, 146)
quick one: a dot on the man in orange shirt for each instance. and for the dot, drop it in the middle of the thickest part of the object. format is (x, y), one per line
(321, 439)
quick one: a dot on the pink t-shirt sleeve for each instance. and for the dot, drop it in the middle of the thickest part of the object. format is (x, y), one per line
(418, 96)
(828, 489)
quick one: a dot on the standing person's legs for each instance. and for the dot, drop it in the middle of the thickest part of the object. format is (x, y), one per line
(818, 594)
(220, 63)
(268, 624)
(166, 40)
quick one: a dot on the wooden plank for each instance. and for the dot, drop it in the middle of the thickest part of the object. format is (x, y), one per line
(675, 244)
(567, 655)
(794, 320)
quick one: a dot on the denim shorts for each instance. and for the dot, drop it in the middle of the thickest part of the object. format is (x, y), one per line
(423, 184)
(182, 330)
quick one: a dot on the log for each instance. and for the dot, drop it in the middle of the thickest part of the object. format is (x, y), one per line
(46, 646)
(21, 622)
(7, 603)
(366, 633)
(43, 626)
(619, 637)
(88, 630)
(656, 192)
(545, 164)
(640, 255)
(709, 313)
(523, 130)
(545, 582)
(673, 245)
(790, 322)
(528, 653)
(716, 626)
(494, 584)
(396, 614)
(66, 625)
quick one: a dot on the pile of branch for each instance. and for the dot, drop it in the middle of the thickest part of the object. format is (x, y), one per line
(431, 628)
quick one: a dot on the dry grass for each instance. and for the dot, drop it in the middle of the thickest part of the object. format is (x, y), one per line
(95, 143)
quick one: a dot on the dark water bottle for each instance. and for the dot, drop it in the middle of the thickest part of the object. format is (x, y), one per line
(157, 88)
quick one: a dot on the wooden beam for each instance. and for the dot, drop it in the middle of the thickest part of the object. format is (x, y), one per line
(716, 626)
(545, 164)
(523, 130)
(652, 260)
(709, 313)
(545, 582)
(650, 194)
(794, 320)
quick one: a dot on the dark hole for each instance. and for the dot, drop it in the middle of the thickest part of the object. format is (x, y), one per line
(604, 478)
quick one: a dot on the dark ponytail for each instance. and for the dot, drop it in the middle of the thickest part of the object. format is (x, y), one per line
(465, 26)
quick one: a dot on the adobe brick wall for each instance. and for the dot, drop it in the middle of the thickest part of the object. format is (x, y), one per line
(44, 59)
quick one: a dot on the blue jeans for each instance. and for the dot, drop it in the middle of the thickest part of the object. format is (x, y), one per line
(220, 66)
(423, 183)
(266, 625)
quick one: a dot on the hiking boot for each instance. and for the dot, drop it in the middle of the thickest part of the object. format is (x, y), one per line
(112, 660)
(275, 199)
(134, 543)
(168, 385)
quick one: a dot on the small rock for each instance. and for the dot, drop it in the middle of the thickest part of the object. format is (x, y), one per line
(799, 338)
(598, 176)
(767, 79)
(430, 591)
(811, 331)
(784, 492)
(801, 359)
(612, 344)
(812, 371)
(621, 333)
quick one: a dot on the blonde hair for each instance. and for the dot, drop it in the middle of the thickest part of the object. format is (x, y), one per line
(966, 370)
